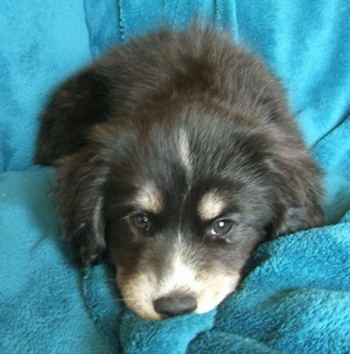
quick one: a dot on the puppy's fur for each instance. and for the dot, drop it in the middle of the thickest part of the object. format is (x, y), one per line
(177, 155)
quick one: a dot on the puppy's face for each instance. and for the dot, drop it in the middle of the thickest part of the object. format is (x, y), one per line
(179, 196)
(186, 200)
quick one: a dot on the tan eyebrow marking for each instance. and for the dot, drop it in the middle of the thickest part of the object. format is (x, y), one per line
(210, 206)
(149, 199)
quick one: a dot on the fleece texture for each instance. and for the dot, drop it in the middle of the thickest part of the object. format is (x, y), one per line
(296, 296)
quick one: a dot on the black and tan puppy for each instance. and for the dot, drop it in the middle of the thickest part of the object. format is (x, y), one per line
(176, 157)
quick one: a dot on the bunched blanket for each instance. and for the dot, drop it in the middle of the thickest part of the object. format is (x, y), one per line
(296, 296)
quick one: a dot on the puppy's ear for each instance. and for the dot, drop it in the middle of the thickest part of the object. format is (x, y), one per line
(298, 192)
(80, 185)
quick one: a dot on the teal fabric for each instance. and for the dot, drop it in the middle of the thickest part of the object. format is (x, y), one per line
(296, 297)
(41, 43)
(41, 307)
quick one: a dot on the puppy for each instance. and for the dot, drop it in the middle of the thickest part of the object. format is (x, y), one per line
(176, 156)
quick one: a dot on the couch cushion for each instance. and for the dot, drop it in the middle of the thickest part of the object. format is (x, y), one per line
(41, 43)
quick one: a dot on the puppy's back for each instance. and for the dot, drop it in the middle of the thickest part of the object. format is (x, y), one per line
(198, 62)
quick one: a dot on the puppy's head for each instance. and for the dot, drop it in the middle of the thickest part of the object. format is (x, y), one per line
(179, 198)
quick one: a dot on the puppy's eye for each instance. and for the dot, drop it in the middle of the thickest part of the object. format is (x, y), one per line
(221, 227)
(141, 221)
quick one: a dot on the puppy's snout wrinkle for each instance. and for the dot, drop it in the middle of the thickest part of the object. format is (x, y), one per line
(175, 304)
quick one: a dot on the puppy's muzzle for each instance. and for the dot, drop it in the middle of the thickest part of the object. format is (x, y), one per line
(175, 304)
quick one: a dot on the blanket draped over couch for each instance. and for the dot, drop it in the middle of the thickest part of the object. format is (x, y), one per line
(296, 297)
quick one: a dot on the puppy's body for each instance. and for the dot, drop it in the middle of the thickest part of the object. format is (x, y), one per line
(177, 154)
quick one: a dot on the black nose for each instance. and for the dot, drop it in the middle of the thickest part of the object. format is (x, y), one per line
(175, 304)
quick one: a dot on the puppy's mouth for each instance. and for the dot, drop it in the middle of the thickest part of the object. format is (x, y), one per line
(156, 299)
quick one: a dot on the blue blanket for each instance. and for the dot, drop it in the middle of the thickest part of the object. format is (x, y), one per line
(296, 296)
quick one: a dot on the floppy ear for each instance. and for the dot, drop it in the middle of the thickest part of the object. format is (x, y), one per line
(80, 185)
(297, 181)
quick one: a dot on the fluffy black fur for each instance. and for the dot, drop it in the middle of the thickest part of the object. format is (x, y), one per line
(187, 113)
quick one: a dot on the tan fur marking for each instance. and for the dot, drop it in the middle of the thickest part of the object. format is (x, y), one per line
(149, 199)
(210, 206)
(138, 293)
(215, 285)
